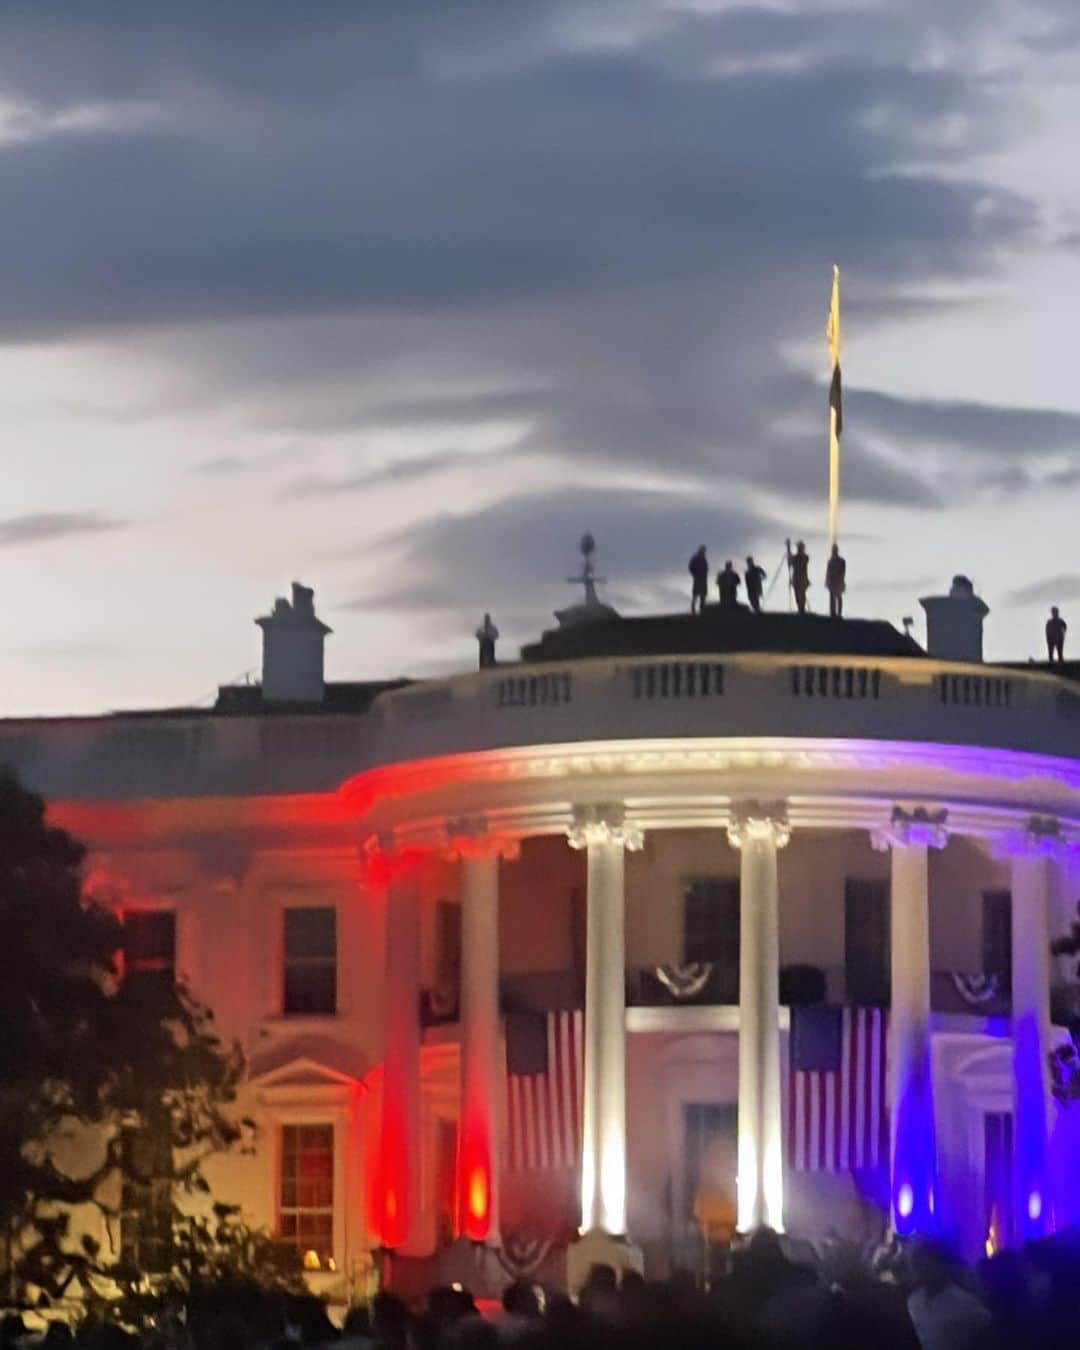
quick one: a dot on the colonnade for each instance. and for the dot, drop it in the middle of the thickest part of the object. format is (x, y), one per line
(758, 830)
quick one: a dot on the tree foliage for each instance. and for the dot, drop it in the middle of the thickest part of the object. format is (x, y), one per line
(1065, 1059)
(127, 1076)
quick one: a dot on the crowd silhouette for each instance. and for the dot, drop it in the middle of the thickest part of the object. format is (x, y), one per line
(914, 1298)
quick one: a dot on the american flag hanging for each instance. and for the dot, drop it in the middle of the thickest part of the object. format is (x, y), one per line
(837, 1115)
(544, 1108)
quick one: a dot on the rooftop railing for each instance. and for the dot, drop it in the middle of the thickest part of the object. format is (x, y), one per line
(619, 698)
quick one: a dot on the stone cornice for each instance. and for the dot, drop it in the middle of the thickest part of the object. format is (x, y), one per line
(697, 759)
(688, 785)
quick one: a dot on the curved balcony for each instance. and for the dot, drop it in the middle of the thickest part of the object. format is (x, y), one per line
(751, 695)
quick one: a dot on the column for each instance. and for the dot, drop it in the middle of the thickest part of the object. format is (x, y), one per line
(913, 1150)
(605, 835)
(758, 830)
(399, 1172)
(480, 1120)
(1031, 852)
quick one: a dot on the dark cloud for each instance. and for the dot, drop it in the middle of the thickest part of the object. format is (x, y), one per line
(490, 558)
(990, 429)
(221, 466)
(43, 527)
(394, 471)
(1050, 591)
(442, 186)
(602, 223)
(468, 408)
(617, 237)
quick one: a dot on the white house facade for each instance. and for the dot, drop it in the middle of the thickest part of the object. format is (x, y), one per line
(674, 925)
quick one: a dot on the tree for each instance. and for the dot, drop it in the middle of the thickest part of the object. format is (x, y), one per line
(127, 1076)
(1065, 1059)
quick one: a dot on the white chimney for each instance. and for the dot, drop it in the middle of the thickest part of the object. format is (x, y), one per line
(293, 638)
(954, 622)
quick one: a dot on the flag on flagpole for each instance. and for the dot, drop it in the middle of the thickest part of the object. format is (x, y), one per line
(836, 413)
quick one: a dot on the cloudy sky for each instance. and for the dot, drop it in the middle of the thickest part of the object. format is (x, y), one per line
(399, 297)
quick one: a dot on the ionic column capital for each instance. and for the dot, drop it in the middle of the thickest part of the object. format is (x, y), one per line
(470, 837)
(604, 823)
(377, 843)
(384, 858)
(909, 829)
(753, 820)
(1039, 837)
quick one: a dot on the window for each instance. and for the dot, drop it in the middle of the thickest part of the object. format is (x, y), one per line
(446, 1211)
(146, 1202)
(306, 1199)
(448, 945)
(866, 942)
(711, 930)
(310, 961)
(997, 937)
(150, 946)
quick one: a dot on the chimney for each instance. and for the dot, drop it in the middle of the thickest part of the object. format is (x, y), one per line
(954, 622)
(293, 637)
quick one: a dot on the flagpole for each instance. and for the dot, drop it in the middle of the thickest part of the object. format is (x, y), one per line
(832, 334)
(834, 478)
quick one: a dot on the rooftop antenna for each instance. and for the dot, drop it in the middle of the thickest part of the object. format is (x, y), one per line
(588, 577)
(907, 621)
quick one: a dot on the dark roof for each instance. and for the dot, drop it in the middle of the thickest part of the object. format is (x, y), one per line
(1068, 670)
(343, 696)
(727, 630)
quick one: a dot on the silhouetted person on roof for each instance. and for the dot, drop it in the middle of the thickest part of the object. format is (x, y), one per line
(755, 581)
(799, 563)
(487, 635)
(728, 583)
(835, 582)
(1055, 635)
(699, 571)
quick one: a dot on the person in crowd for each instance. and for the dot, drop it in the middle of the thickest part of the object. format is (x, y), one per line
(699, 585)
(521, 1324)
(356, 1329)
(862, 1310)
(12, 1331)
(728, 584)
(944, 1314)
(600, 1294)
(1055, 635)
(799, 565)
(389, 1321)
(836, 582)
(755, 584)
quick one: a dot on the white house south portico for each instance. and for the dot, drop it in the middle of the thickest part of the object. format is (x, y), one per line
(527, 792)
(677, 925)
(943, 761)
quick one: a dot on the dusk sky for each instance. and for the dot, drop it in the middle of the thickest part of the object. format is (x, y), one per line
(398, 299)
